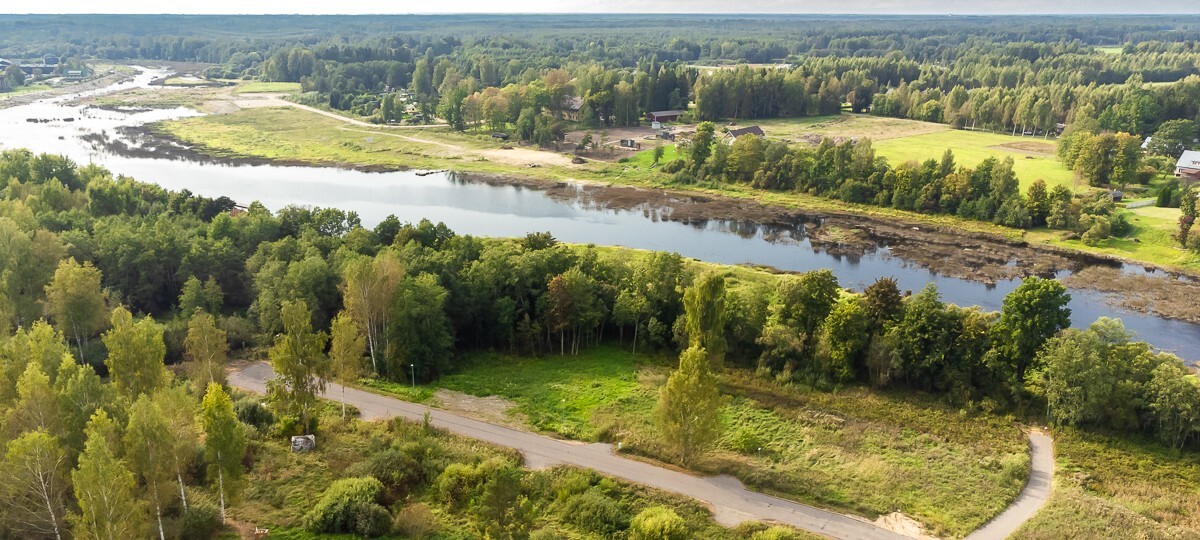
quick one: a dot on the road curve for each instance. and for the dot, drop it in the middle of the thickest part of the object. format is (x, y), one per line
(729, 500)
(1032, 497)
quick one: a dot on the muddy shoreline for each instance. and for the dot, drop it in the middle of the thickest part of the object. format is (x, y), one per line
(975, 256)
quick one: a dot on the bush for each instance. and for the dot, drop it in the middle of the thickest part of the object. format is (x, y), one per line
(350, 506)
(776, 533)
(402, 468)
(745, 441)
(250, 411)
(547, 534)
(415, 521)
(673, 166)
(200, 522)
(658, 523)
(595, 512)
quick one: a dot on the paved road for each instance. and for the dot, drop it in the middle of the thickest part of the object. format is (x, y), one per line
(731, 502)
(1032, 497)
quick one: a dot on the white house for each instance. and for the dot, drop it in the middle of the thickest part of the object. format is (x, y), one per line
(1188, 165)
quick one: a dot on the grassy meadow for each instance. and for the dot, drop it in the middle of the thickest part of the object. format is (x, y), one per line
(261, 87)
(1033, 157)
(853, 450)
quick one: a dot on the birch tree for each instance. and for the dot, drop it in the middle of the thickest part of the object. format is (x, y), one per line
(207, 350)
(689, 406)
(224, 443)
(135, 354)
(105, 489)
(346, 353)
(148, 451)
(298, 358)
(33, 494)
(368, 292)
(75, 301)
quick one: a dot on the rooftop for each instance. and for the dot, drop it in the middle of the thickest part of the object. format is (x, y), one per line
(1189, 160)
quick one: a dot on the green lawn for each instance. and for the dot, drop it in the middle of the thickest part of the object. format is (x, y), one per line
(876, 128)
(1033, 157)
(645, 158)
(1151, 239)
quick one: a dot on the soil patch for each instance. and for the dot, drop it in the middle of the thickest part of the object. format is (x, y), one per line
(491, 409)
(1029, 147)
(897, 522)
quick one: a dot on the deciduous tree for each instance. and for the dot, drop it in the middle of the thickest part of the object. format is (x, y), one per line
(105, 489)
(206, 348)
(346, 353)
(34, 489)
(689, 407)
(75, 301)
(298, 358)
(135, 354)
(224, 443)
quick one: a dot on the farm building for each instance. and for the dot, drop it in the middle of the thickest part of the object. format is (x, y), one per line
(1188, 165)
(663, 116)
(733, 134)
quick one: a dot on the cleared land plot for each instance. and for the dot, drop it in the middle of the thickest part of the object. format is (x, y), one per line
(876, 128)
(259, 87)
(853, 451)
(1033, 158)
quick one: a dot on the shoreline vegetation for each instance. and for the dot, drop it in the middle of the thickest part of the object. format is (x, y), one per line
(262, 136)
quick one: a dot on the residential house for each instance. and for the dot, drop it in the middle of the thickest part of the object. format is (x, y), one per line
(732, 134)
(572, 105)
(1188, 166)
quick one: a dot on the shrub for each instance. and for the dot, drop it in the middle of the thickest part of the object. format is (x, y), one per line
(250, 411)
(415, 521)
(349, 506)
(595, 512)
(776, 533)
(200, 522)
(673, 166)
(456, 485)
(402, 468)
(547, 534)
(658, 523)
(745, 441)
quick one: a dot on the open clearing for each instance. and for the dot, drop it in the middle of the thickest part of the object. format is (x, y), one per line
(876, 128)
(1033, 158)
(853, 451)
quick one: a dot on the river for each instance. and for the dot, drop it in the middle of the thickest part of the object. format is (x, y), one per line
(485, 209)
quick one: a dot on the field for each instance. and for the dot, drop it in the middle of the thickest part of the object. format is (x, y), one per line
(257, 87)
(877, 128)
(1104, 485)
(1151, 239)
(853, 450)
(1033, 157)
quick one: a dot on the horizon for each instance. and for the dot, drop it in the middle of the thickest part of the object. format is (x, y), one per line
(632, 7)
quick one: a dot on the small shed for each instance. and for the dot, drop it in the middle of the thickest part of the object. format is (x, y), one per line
(500, 135)
(630, 143)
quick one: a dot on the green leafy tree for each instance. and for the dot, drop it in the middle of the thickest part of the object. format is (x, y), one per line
(105, 489)
(882, 303)
(148, 451)
(75, 301)
(370, 286)
(224, 443)
(80, 393)
(34, 489)
(1174, 399)
(1037, 202)
(1032, 314)
(135, 354)
(180, 409)
(346, 352)
(844, 337)
(421, 337)
(298, 358)
(27, 263)
(704, 312)
(1173, 137)
(206, 348)
(796, 312)
(702, 145)
(36, 407)
(688, 413)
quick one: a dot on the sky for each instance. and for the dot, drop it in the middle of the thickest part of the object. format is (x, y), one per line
(963, 7)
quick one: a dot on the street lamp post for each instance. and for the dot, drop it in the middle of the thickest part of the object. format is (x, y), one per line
(413, 367)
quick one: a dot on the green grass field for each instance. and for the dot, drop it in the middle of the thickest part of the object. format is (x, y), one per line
(1111, 49)
(853, 451)
(876, 128)
(1108, 487)
(1033, 157)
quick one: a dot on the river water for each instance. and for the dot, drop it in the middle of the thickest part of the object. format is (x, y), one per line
(502, 210)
